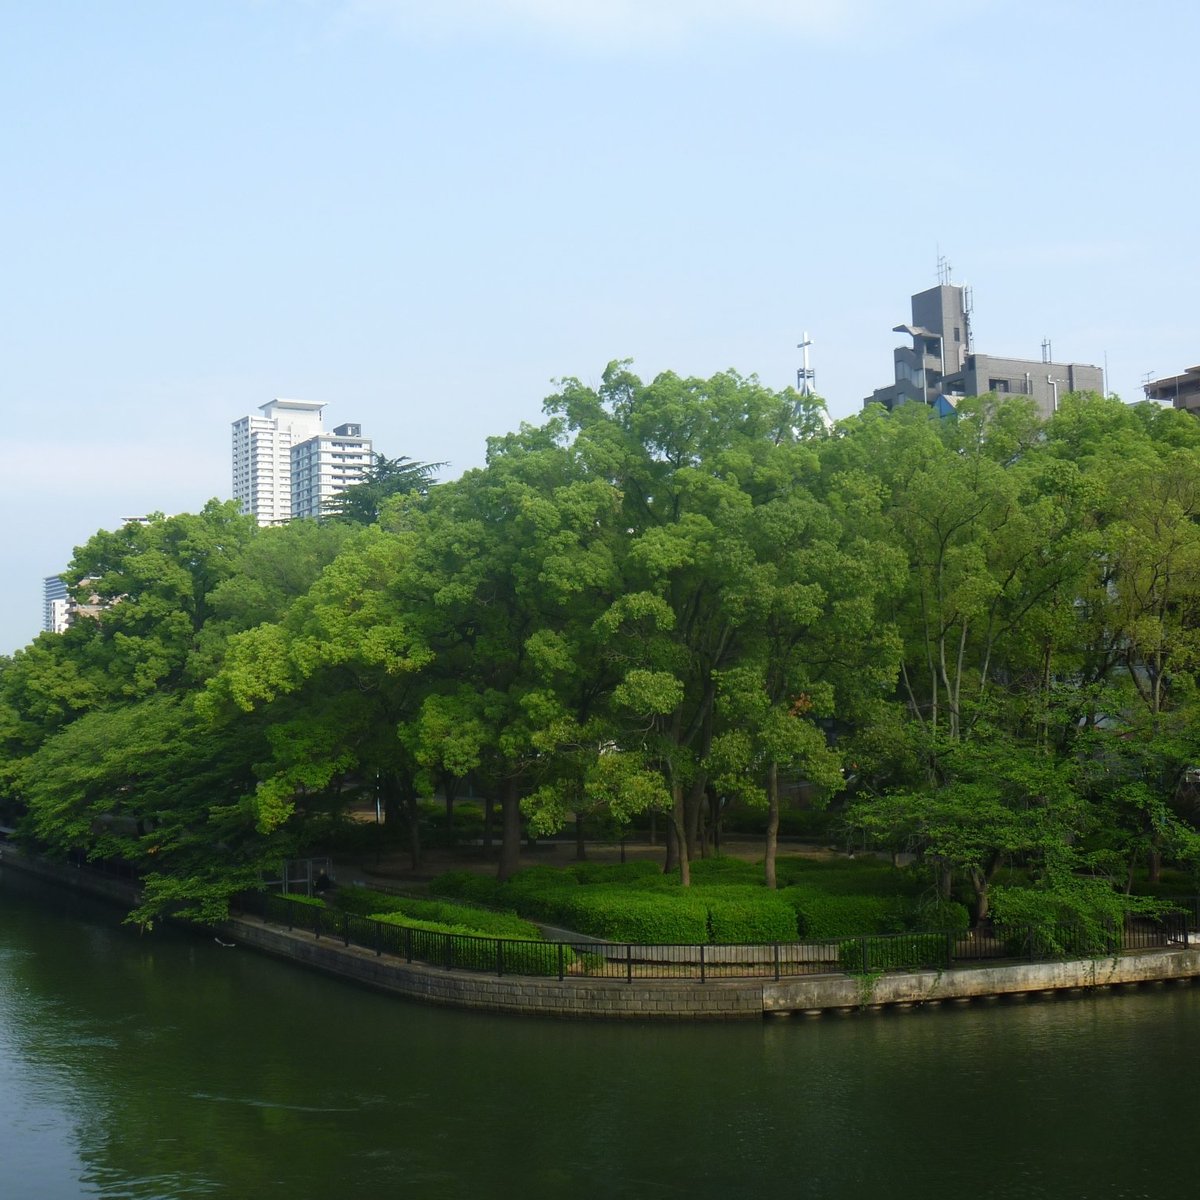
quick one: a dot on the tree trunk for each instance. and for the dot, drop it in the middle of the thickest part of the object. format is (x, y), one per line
(772, 825)
(414, 831)
(979, 884)
(510, 836)
(489, 823)
(1154, 865)
(671, 859)
(679, 827)
(945, 881)
(691, 815)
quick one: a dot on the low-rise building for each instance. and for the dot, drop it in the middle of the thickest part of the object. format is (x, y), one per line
(1180, 391)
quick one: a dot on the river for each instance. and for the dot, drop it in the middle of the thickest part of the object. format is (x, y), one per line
(169, 1066)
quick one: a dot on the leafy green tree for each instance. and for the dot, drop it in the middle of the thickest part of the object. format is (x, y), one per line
(148, 783)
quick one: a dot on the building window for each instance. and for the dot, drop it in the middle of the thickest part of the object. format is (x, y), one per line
(998, 385)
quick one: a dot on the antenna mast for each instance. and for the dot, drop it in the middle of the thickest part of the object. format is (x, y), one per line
(805, 375)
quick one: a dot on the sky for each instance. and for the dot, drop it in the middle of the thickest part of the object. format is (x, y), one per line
(425, 213)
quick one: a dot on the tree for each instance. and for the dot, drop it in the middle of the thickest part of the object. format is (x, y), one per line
(692, 460)
(361, 503)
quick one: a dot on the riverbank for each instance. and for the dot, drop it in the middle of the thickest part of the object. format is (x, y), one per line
(639, 999)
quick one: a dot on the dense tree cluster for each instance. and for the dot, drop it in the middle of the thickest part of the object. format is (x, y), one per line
(980, 633)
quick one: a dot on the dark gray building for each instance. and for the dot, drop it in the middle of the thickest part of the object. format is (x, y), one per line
(1180, 391)
(941, 366)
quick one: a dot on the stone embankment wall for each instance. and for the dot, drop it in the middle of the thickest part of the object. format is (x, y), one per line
(657, 999)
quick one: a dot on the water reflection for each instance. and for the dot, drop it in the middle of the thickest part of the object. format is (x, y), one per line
(172, 1067)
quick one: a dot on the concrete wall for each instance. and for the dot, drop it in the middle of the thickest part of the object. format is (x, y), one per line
(532, 996)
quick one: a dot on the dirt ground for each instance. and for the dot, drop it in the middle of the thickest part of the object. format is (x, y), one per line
(395, 867)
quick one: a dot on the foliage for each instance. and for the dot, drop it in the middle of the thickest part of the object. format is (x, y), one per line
(819, 917)
(362, 502)
(978, 638)
(912, 951)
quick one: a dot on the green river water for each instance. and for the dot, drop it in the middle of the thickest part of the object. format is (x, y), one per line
(170, 1066)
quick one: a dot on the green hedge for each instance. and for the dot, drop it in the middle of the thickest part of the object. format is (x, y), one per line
(589, 873)
(742, 914)
(467, 885)
(620, 916)
(368, 903)
(438, 942)
(727, 903)
(909, 951)
(938, 915)
(726, 870)
(849, 877)
(820, 916)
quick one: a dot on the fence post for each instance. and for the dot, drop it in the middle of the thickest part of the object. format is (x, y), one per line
(378, 938)
(702, 979)
(862, 946)
(408, 943)
(776, 957)
(949, 949)
(449, 950)
(628, 963)
(561, 958)
(499, 956)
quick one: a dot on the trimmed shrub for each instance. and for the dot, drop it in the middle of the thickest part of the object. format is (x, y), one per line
(304, 912)
(376, 905)
(909, 951)
(934, 916)
(621, 916)
(822, 916)
(589, 873)
(848, 877)
(744, 914)
(437, 942)
(467, 885)
(726, 870)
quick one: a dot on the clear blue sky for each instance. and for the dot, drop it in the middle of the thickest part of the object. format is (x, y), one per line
(424, 212)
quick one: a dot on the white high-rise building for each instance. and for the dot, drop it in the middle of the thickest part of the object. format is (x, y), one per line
(325, 465)
(56, 604)
(285, 465)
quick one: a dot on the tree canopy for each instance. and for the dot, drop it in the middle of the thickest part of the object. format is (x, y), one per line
(978, 635)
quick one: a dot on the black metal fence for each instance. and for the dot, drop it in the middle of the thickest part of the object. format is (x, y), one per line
(778, 960)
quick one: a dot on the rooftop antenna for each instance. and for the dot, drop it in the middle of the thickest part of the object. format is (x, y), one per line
(944, 270)
(968, 314)
(1047, 356)
(805, 376)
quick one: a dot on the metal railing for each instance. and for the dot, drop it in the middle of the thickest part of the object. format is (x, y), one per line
(628, 962)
